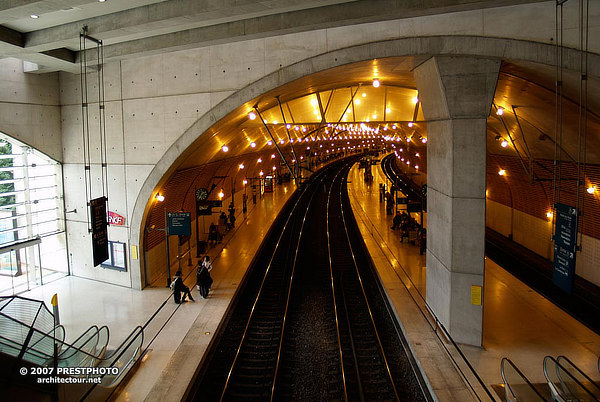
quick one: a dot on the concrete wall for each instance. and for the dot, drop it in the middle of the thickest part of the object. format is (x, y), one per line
(157, 105)
(30, 107)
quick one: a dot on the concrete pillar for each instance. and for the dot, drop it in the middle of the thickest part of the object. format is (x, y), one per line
(456, 95)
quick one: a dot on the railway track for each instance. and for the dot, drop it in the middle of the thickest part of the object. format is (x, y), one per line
(310, 322)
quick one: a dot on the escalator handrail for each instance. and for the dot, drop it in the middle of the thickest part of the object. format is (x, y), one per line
(592, 382)
(94, 329)
(137, 331)
(514, 366)
(551, 383)
(45, 335)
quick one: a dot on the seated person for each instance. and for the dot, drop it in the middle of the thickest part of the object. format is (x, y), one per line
(178, 288)
(397, 221)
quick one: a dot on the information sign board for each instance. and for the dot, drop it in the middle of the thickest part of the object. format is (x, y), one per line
(565, 240)
(180, 223)
(99, 230)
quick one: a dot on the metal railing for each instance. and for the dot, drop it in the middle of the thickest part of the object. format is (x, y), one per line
(517, 386)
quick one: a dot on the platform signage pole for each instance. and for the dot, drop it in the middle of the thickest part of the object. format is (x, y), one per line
(167, 246)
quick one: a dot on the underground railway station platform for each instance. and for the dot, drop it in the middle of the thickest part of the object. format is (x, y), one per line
(178, 337)
(394, 200)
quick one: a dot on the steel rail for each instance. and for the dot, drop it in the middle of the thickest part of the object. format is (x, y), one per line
(366, 299)
(287, 302)
(335, 308)
(252, 310)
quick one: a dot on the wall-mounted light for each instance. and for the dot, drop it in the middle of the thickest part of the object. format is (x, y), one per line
(549, 215)
(500, 111)
(241, 166)
(415, 100)
(221, 194)
(424, 140)
(591, 189)
(274, 168)
(159, 197)
(501, 172)
(261, 173)
(244, 182)
(273, 156)
(259, 160)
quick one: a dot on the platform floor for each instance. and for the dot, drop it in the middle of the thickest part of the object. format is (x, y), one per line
(518, 323)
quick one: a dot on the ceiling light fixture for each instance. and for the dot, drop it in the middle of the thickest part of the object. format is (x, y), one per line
(591, 189)
(501, 172)
(252, 115)
(160, 197)
(34, 16)
(415, 100)
(500, 111)
(224, 148)
(504, 143)
(376, 83)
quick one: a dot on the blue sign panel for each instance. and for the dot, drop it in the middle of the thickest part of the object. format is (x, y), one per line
(566, 226)
(565, 240)
(180, 223)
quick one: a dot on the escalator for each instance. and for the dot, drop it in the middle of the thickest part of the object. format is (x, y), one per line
(36, 362)
(567, 382)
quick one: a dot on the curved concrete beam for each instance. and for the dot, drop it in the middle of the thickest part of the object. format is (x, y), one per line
(477, 46)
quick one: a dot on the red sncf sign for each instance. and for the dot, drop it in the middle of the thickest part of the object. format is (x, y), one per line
(115, 219)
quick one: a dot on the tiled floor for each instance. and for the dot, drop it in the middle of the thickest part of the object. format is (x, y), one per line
(518, 323)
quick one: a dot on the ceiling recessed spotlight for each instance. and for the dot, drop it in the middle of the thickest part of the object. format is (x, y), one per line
(253, 144)
(34, 16)
(388, 110)
(364, 95)
(224, 148)
(252, 115)
(504, 143)
(502, 172)
(101, 1)
(376, 83)
(415, 100)
(410, 124)
(357, 101)
(500, 111)
(591, 189)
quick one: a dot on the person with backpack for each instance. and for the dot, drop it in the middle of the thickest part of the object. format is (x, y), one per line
(203, 279)
(178, 287)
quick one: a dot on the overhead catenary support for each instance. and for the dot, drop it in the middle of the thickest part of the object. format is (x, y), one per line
(513, 142)
(275, 142)
(288, 134)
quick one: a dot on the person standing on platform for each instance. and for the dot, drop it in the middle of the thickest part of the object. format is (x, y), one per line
(178, 288)
(231, 216)
(203, 279)
(213, 234)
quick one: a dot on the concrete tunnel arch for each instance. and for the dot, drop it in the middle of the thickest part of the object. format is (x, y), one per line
(473, 46)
